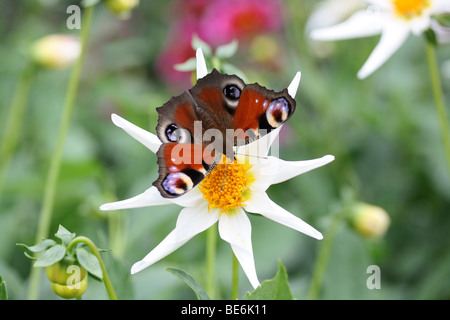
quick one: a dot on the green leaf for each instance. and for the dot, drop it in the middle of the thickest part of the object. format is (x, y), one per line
(40, 246)
(51, 256)
(273, 289)
(191, 282)
(443, 19)
(65, 235)
(3, 292)
(430, 36)
(188, 65)
(199, 43)
(89, 262)
(227, 50)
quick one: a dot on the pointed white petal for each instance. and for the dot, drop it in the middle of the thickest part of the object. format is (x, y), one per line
(392, 38)
(272, 170)
(292, 89)
(193, 198)
(191, 221)
(202, 70)
(148, 139)
(284, 170)
(259, 148)
(236, 229)
(330, 12)
(360, 24)
(261, 203)
(151, 197)
(166, 247)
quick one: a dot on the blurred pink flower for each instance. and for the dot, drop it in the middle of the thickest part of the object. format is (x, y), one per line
(225, 20)
(177, 50)
(215, 22)
(191, 8)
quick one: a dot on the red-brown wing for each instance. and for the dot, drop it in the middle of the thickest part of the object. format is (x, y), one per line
(181, 167)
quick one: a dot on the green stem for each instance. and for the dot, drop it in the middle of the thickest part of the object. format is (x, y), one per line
(14, 122)
(324, 254)
(439, 99)
(106, 280)
(55, 162)
(235, 278)
(211, 240)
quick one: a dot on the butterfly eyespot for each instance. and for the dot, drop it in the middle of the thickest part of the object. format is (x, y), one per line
(177, 183)
(171, 132)
(232, 92)
(176, 134)
(277, 112)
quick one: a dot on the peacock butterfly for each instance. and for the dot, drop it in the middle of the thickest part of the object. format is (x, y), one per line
(204, 123)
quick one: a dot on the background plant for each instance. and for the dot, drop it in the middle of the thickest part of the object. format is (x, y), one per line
(383, 132)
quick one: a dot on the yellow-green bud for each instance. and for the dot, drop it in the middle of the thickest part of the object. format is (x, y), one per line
(56, 50)
(122, 7)
(264, 49)
(68, 278)
(369, 220)
(70, 291)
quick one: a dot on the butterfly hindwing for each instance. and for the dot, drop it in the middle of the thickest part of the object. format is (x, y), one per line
(181, 167)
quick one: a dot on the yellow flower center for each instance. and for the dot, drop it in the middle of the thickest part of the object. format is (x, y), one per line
(410, 8)
(226, 187)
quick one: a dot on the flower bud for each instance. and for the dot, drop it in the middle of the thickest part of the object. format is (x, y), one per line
(370, 221)
(56, 51)
(68, 278)
(265, 49)
(122, 7)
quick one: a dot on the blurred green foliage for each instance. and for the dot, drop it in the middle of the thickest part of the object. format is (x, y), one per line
(383, 132)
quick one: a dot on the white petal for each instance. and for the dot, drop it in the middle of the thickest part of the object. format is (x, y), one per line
(394, 35)
(284, 170)
(148, 139)
(202, 70)
(151, 197)
(166, 247)
(384, 4)
(360, 24)
(330, 12)
(236, 229)
(193, 198)
(440, 6)
(191, 221)
(261, 203)
(259, 148)
(292, 89)
(272, 170)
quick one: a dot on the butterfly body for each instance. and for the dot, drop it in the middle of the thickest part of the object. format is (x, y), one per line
(202, 124)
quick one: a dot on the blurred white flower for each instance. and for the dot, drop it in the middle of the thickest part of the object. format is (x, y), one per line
(330, 12)
(56, 50)
(222, 197)
(393, 19)
(327, 13)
